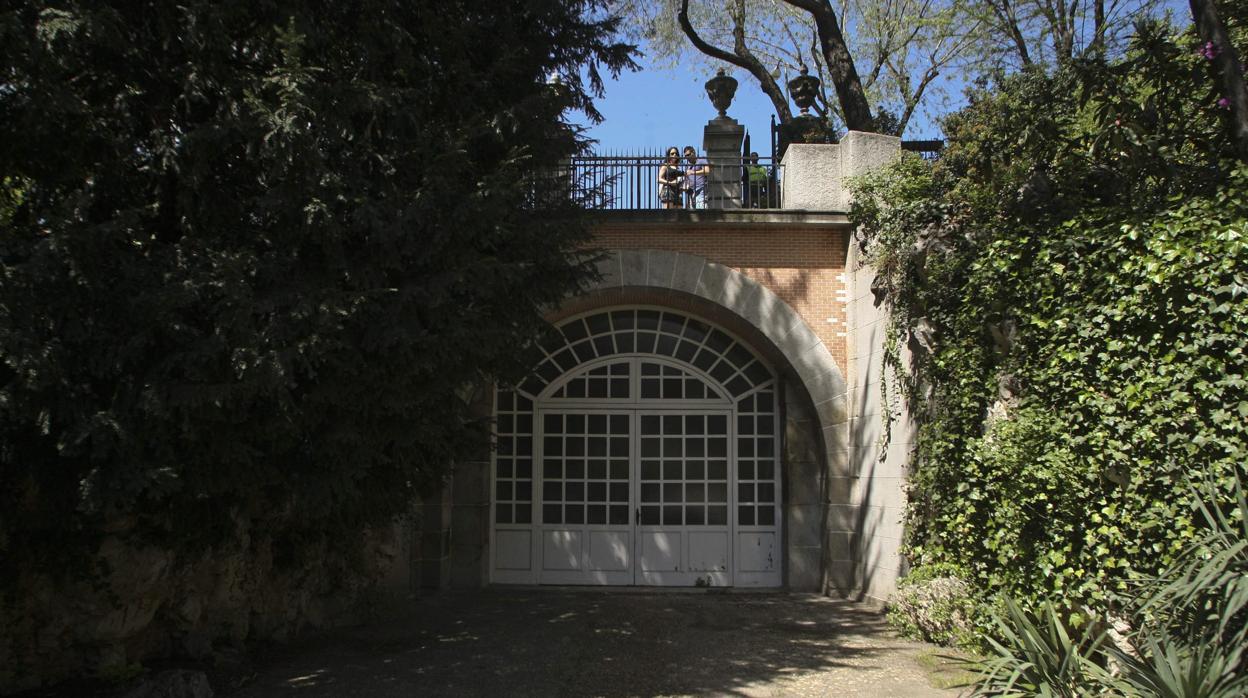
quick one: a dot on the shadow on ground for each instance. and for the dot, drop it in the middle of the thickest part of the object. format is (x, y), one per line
(573, 643)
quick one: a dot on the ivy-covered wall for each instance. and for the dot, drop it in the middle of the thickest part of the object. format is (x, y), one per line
(1073, 281)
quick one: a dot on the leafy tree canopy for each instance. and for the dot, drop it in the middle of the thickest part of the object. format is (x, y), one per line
(255, 252)
(906, 52)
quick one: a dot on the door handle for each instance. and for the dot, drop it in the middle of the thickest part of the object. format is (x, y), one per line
(637, 516)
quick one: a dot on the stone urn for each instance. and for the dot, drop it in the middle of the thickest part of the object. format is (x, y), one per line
(721, 90)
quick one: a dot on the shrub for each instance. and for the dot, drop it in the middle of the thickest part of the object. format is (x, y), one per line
(934, 604)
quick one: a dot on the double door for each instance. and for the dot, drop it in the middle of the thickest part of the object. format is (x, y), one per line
(634, 497)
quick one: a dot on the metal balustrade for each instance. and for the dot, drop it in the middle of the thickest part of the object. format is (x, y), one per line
(631, 182)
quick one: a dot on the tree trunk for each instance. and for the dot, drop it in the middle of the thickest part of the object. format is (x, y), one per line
(849, 92)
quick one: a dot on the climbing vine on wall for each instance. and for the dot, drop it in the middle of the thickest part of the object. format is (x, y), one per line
(1072, 284)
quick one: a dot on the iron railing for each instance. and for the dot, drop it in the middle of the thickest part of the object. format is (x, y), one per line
(631, 182)
(928, 150)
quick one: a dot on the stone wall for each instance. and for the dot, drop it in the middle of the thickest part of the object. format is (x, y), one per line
(148, 602)
(881, 440)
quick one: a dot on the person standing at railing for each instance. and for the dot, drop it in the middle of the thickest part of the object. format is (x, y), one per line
(696, 171)
(758, 177)
(670, 178)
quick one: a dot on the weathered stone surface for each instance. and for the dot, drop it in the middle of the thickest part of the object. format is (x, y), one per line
(662, 266)
(687, 272)
(633, 267)
(175, 683)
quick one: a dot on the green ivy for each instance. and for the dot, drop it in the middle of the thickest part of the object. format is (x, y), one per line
(1072, 283)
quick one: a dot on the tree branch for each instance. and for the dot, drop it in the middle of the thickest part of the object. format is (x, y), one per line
(743, 59)
(854, 107)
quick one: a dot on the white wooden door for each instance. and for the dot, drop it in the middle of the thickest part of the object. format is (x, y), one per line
(585, 512)
(684, 509)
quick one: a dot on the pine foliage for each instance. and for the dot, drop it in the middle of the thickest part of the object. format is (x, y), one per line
(255, 252)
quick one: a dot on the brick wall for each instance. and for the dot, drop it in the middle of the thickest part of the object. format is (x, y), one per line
(804, 265)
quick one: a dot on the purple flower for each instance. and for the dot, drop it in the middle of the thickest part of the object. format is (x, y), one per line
(1224, 103)
(1209, 51)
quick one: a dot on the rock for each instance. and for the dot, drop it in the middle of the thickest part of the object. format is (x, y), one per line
(197, 644)
(175, 683)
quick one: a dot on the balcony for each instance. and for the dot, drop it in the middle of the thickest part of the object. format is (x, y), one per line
(630, 182)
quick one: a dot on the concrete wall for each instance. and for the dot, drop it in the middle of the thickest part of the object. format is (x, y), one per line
(881, 438)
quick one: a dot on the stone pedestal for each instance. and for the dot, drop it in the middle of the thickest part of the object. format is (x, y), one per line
(815, 176)
(721, 141)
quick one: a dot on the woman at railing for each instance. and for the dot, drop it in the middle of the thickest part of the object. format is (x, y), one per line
(670, 179)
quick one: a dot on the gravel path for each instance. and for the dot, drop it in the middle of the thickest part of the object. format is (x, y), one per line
(589, 643)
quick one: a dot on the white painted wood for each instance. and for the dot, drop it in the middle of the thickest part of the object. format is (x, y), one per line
(636, 477)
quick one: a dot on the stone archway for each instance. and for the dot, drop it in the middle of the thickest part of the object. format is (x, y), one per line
(820, 504)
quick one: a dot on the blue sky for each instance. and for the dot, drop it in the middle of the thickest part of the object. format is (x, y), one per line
(655, 108)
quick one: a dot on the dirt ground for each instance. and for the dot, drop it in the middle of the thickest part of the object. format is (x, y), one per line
(594, 643)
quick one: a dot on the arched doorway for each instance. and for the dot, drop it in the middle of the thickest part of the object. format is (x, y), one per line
(642, 449)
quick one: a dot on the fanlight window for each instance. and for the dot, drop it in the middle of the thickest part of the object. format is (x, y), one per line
(606, 381)
(644, 331)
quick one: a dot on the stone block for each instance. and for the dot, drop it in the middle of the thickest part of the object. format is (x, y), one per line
(805, 525)
(805, 483)
(842, 490)
(739, 293)
(833, 411)
(798, 341)
(820, 376)
(805, 568)
(633, 267)
(863, 152)
(770, 314)
(842, 578)
(661, 267)
(841, 546)
(687, 272)
(712, 281)
(609, 270)
(836, 442)
(844, 517)
(469, 525)
(811, 177)
(801, 440)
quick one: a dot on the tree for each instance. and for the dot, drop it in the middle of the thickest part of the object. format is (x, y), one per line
(903, 53)
(903, 47)
(1050, 32)
(254, 252)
